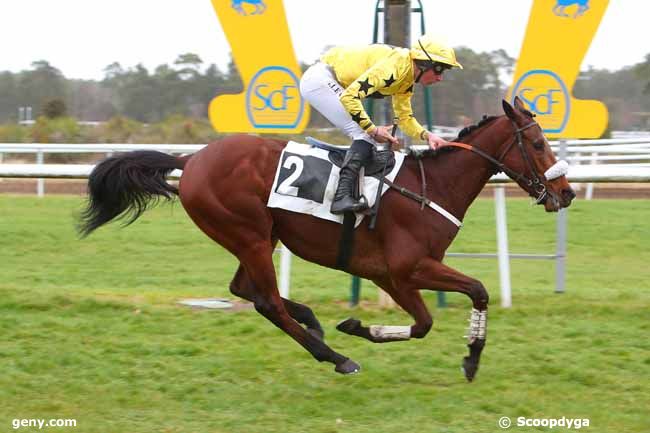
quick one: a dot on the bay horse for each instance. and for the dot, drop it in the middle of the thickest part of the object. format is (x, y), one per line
(225, 186)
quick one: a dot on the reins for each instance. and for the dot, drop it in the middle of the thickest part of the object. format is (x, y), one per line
(535, 183)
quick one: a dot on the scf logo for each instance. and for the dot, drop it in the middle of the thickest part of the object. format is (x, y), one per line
(273, 99)
(545, 95)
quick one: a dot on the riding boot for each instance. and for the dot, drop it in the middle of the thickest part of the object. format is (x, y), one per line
(355, 158)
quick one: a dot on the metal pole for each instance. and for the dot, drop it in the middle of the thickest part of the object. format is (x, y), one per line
(427, 90)
(355, 291)
(502, 245)
(561, 249)
(285, 271)
(442, 300)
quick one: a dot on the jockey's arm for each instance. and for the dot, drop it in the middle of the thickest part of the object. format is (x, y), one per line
(368, 83)
(404, 117)
(409, 124)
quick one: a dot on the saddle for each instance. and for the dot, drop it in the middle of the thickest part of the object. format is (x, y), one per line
(381, 162)
(375, 167)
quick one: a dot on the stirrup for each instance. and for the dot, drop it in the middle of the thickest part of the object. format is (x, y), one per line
(351, 206)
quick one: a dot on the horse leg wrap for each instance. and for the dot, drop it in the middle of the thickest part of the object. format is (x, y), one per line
(382, 332)
(477, 326)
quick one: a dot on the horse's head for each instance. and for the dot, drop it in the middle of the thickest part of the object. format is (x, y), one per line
(531, 162)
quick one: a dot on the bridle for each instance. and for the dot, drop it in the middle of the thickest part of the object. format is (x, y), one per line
(535, 182)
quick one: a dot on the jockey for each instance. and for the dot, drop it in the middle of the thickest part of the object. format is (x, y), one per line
(344, 76)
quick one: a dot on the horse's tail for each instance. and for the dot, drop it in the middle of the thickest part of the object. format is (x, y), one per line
(125, 185)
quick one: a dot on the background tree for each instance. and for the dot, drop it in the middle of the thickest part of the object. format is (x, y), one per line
(54, 108)
(38, 85)
(642, 70)
(186, 88)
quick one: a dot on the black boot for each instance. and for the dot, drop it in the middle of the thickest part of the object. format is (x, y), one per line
(343, 198)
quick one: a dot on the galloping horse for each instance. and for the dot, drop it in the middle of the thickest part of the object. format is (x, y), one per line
(260, 6)
(225, 187)
(561, 5)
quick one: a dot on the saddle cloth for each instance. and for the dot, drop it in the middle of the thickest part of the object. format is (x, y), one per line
(306, 180)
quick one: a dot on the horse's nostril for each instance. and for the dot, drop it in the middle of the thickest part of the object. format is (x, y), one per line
(568, 194)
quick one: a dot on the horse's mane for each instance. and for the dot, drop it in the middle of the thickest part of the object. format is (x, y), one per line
(462, 134)
(485, 120)
(469, 129)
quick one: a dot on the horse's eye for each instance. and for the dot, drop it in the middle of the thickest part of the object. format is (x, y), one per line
(538, 145)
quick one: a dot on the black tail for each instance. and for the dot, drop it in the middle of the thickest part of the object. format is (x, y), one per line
(125, 185)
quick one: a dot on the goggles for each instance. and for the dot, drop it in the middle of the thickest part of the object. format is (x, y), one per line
(437, 67)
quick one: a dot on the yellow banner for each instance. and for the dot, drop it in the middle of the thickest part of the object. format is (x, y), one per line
(258, 34)
(557, 38)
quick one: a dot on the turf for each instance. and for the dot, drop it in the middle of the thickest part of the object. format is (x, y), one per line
(91, 331)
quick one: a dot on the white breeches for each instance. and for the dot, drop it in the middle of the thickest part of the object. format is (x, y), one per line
(320, 88)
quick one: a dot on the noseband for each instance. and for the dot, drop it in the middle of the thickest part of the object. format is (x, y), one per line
(535, 182)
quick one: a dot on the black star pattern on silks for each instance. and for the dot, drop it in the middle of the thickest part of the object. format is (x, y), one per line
(410, 89)
(365, 85)
(390, 81)
(357, 117)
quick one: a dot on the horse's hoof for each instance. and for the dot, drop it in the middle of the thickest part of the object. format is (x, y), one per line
(318, 333)
(469, 369)
(348, 325)
(348, 367)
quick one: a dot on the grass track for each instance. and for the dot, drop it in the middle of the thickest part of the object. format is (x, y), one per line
(90, 331)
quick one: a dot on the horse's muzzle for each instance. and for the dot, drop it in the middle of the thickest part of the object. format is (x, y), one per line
(568, 194)
(553, 201)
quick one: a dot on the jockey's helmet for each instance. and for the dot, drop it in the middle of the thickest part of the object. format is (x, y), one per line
(435, 51)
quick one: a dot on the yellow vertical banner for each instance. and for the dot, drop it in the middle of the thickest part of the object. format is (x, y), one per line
(558, 35)
(258, 34)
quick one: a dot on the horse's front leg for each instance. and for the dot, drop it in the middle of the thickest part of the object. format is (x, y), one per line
(406, 297)
(433, 275)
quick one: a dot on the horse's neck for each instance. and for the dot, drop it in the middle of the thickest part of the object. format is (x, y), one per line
(459, 177)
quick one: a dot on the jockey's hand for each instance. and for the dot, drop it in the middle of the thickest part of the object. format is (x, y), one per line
(382, 134)
(436, 142)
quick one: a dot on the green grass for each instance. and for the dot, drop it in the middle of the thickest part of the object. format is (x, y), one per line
(90, 330)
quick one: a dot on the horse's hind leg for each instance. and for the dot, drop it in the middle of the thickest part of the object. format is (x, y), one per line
(258, 263)
(411, 301)
(243, 287)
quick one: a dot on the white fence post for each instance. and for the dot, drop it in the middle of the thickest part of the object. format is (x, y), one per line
(560, 241)
(285, 271)
(502, 245)
(589, 192)
(40, 183)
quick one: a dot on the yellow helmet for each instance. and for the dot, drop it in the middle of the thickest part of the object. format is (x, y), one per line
(427, 48)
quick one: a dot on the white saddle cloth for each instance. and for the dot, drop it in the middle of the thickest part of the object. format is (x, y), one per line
(305, 182)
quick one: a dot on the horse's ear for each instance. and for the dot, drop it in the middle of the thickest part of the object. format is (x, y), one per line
(519, 105)
(510, 112)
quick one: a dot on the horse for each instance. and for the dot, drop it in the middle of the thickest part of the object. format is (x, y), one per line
(225, 186)
(560, 5)
(260, 6)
